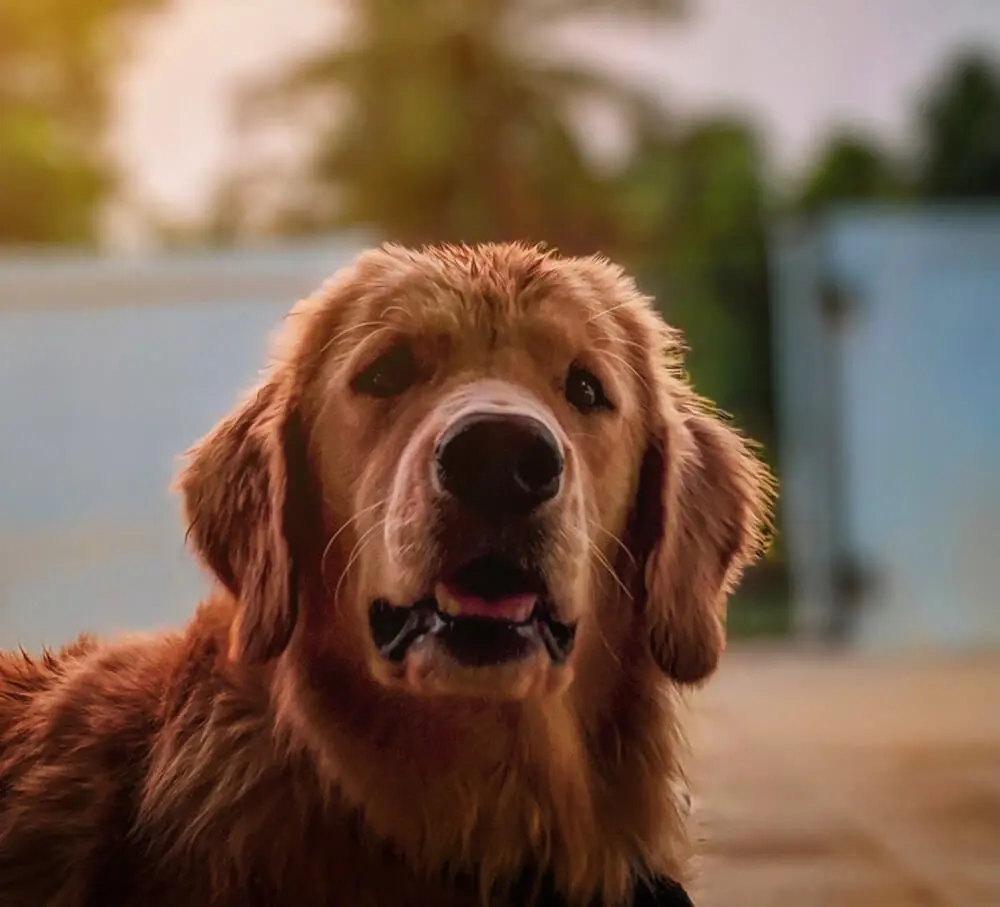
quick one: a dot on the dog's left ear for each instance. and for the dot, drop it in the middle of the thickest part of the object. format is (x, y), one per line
(698, 522)
(244, 508)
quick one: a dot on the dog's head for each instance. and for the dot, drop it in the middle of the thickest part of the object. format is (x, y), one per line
(466, 463)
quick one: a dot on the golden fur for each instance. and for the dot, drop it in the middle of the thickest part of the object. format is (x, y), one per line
(265, 756)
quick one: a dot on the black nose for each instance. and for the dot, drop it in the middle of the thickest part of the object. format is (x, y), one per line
(500, 465)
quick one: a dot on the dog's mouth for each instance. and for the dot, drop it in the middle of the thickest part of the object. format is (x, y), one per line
(488, 612)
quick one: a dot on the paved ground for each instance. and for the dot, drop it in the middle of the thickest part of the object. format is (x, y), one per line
(823, 781)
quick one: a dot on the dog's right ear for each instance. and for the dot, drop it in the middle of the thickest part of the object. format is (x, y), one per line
(242, 502)
(701, 512)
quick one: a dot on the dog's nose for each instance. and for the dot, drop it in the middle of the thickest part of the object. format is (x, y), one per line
(500, 465)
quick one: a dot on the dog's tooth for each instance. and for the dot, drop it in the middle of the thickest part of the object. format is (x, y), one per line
(447, 603)
(418, 625)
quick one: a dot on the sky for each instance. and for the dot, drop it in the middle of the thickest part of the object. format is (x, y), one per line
(800, 68)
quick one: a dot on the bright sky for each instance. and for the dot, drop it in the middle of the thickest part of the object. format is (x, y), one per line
(801, 67)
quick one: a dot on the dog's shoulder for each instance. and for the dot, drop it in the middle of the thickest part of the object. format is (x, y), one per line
(79, 729)
(74, 727)
(23, 679)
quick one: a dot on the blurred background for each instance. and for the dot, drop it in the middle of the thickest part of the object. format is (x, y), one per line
(811, 191)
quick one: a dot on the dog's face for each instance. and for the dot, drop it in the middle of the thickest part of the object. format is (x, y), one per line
(478, 437)
(469, 466)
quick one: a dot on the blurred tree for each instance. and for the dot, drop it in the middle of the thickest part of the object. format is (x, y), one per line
(695, 205)
(960, 123)
(448, 128)
(850, 168)
(55, 60)
(694, 213)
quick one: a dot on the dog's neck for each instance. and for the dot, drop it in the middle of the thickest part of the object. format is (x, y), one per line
(500, 785)
(485, 789)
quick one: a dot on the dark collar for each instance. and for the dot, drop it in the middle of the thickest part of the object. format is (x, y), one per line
(657, 891)
(660, 892)
(530, 891)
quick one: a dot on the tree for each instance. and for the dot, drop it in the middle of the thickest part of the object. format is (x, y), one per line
(448, 127)
(55, 60)
(851, 168)
(696, 202)
(960, 123)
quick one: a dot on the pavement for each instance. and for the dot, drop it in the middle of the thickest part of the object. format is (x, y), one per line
(825, 780)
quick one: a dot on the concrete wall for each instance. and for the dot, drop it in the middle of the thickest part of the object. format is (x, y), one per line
(888, 332)
(110, 369)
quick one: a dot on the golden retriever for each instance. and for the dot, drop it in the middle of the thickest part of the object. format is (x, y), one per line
(470, 534)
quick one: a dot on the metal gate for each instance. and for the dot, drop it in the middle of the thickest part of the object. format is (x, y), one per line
(888, 343)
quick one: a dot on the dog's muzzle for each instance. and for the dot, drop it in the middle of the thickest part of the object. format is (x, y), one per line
(488, 612)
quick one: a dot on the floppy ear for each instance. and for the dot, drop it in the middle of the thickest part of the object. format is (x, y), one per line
(698, 521)
(242, 505)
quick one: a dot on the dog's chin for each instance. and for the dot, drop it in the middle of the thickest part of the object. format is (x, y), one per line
(490, 628)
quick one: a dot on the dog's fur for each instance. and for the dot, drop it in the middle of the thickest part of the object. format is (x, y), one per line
(264, 757)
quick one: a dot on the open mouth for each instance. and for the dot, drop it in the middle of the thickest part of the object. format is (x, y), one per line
(488, 612)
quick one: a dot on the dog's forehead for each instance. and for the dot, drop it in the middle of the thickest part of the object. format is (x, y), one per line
(488, 291)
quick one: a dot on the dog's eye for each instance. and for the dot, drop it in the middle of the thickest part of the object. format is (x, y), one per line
(394, 372)
(584, 391)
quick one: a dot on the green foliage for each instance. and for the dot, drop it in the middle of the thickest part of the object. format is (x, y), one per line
(49, 190)
(694, 211)
(448, 128)
(851, 169)
(960, 123)
(958, 135)
(55, 60)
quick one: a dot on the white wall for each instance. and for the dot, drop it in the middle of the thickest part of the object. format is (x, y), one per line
(912, 412)
(109, 370)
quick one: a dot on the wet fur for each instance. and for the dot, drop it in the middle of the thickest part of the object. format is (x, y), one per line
(251, 760)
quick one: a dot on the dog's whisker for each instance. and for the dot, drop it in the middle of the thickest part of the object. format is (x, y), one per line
(361, 325)
(382, 329)
(633, 344)
(604, 562)
(609, 311)
(356, 517)
(621, 545)
(394, 308)
(607, 645)
(345, 525)
(640, 378)
(356, 552)
(565, 537)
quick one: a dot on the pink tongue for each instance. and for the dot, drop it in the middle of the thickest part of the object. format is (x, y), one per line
(515, 608)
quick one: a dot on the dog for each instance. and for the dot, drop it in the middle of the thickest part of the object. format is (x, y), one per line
(470, 535)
